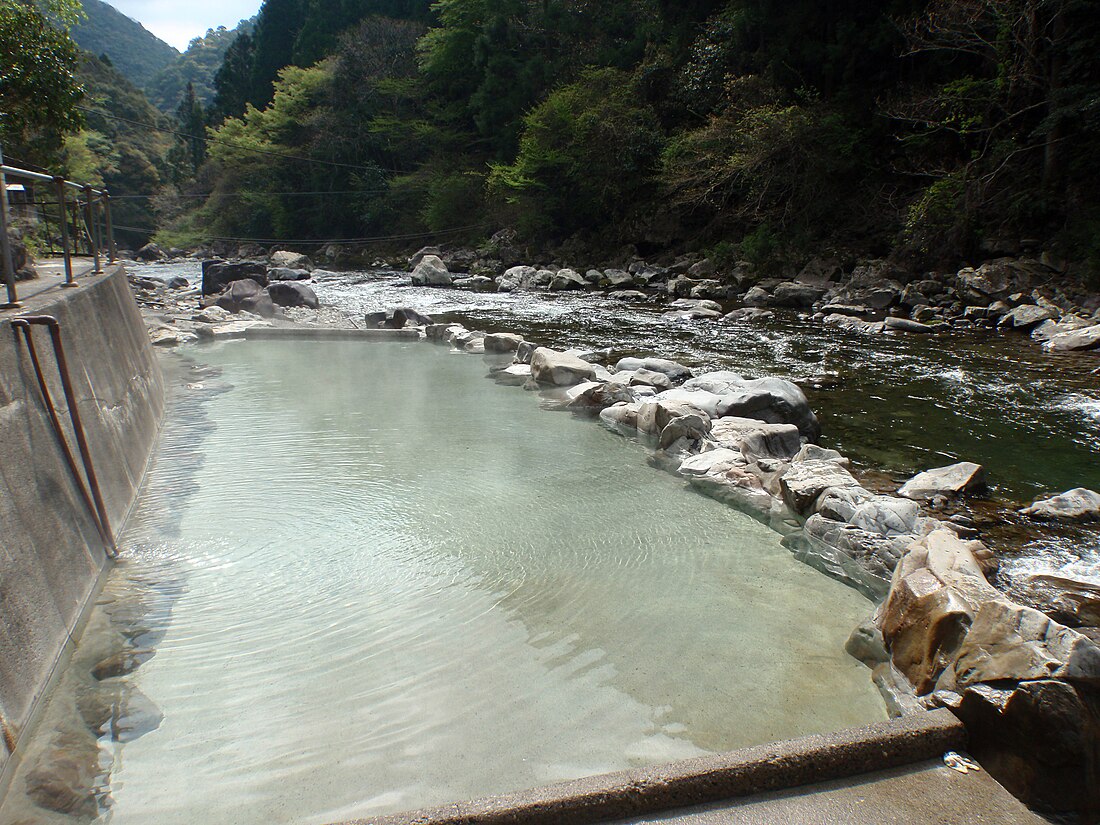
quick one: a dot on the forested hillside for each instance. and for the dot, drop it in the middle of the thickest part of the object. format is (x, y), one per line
(931, 129)
(195, 67)
(136, 52)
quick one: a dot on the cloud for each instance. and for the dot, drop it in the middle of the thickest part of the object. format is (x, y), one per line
(178, 23)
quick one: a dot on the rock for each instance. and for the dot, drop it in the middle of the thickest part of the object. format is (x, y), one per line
(1079, 339)
(958, 479)
(518, 278)
(292, 294)
(805, 481)
(284, 259)
(649, 378)
(886, 516)
(150, 252)
(773, 400)
(515, 375)
(628, 295)
(211, 315)
(1024, 318)
(711, 462)
(1079, 504)
(865, 644)
(692, 427)
(178, 282)
(691, 315)
(121, 663)
(621, 417)
(756, 439)
(748, 314)
(431, 271)
(66, 776)
(247, 296)
(566, 279)
(616, 278)
(654, 415)
(676, 372)
(702, 269)
(897, 694)
(502, 342)
(476, 283)
(906, 325)
(469, 340)
(1073, 602)
(812, 452)
(282, 273)
(757, 297)
(598, 395)
(558, 369)
(422, 253)
(843, 551)
(217, 275)
(119, 711)
(796, 295)
(993, 280)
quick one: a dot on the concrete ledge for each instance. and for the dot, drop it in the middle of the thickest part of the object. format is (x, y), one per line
(707, 779)
(326, 334)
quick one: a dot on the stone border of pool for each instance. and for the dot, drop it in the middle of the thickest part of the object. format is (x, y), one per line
(771, 767)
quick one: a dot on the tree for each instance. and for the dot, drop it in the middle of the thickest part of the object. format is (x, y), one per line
(39, 92)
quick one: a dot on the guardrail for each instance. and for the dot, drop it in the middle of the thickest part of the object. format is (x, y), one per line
(90, 212)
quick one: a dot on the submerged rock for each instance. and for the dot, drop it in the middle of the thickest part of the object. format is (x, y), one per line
(958, 479)
(119, 711)
(121, 663)
(1079, 504)
(66, 776)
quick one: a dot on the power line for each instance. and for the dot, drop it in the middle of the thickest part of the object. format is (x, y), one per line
(316, 241)
(238, 146)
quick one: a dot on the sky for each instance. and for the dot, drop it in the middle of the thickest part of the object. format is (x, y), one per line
(178, 22)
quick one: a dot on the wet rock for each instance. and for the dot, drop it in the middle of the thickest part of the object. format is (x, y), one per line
(284, 259)
(748, 314)
(897, 694)
(559, 369)
(886, 516)
(622, 418)
(807, 480)
(1078, 339)
(66, 777)
(795, 295)
(518, 278)
(168, 337)
(567, 279)
(121, 663)
(119, 711)
(502, 342)
(217, 275)
(1079, 504)
(655, 414)
(1073, 602)
(515, 375)
(757, 297)
(691, 315)
(431, 271)
(283, 273)
(247, 296)
(756, 439)
(906, 325)
(293, 294)
(525, 352)
(676, 372)
(993, 280)
(475, 283)
(865, 644)
(230, 330)
(812, 452)
(772, 400)
(442, 333)
(612, 278)
(843, 551)
(958, 479)
(711, 462)
(1023, 318)
(628, 295)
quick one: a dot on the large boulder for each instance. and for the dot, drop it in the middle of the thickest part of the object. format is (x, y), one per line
(247, 296)
(654, 415)
(290, 260)
(993, 280)
(559, 369)
(217, 274)
(281, 273)
(518, 279)
(676, 372)
(1079, 504)
(567, 279)
(292, 294)
(423, 253)
(756, 439)
(805, 481)
(1026, 317)
(792, 294)
(1078, 339)
(773, 400)
(502, 342)
(150, 252)
(957, 479)
(431, 271)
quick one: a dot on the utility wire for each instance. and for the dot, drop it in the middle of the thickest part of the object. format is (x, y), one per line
(229, 143)
(316, 241)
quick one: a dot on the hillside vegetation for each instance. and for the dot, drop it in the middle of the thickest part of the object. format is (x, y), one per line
(136, 52)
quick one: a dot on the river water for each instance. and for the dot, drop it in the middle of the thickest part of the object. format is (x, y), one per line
(395, 583)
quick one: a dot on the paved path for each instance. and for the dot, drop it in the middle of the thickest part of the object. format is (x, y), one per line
(51, 275)
(925, 793)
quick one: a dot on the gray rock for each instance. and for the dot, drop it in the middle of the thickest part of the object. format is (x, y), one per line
(599, 395)
(292, 294)
(431, 271)
(654, 415)
(812, 452)
(691, 427)
(442, 333)
(66, 776)
(559, 369)
(567, 279)
(691, 315)
(845, 552)
(290, 260)
(906, 325)
(502, 342)
(773, 400)
(285, 274)
(1079, 339)
(958, 479)
(796, 295)
(247, 296)
(119, 711)
(865, 644)
(628, 295)
(757, 297)
(1024, 318)
(422, 253)
(150, 252)
(518, 278)
(515, 375)
(621, 417)
(756, 439)
(217, 275)
(1079, 504)
(805, 481)
(616, 278)
(748, 314)
(525, 351)
(676, 372)
(476, 283)
(649, 378)
(711, 462)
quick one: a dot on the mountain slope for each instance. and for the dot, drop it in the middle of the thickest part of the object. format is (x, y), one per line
(196, 66)
(136, 52)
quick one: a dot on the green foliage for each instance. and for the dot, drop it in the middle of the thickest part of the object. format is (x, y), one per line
(133, 50)
(39, 92)
(585, 156)
(196, 68)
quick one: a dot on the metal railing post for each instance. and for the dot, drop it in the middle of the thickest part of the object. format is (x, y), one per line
(63, 208)
(8, 262)
(112, 248)
(90, 228)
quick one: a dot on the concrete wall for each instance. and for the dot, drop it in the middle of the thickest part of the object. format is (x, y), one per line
(51, 555)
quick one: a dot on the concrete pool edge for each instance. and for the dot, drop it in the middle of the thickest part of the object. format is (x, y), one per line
(774, 766)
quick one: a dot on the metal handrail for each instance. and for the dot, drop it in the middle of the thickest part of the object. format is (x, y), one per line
(95, 202)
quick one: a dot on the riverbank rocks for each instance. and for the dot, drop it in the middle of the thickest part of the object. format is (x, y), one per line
(521, 278)
(502, 342)
(431, 271)
(247, 296)
(1027, 316)
(773, 400)
(1026, 686)
(1079, 339)
(283, 259)
(1079, 504)
(217, 274)
(756, 439)
(67, 776)
(805, 481)
(567, 279)
(559, 369)
(963, 478)
(906, 325)
(285, 274)
(677, 373)
(293, 294)
(397, 318)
